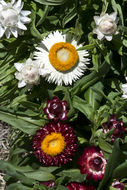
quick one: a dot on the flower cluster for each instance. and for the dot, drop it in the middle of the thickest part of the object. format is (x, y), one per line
(73, 60)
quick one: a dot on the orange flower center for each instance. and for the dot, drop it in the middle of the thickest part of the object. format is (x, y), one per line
(63, 56)
(53, 144)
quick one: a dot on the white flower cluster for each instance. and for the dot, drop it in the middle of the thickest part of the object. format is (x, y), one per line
(28, 73)
(106, 26)
(12, 18)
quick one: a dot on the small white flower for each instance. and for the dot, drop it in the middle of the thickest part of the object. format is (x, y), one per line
(28, 73)
(106, 26)
(12, 18)
(61, 62)
(124, 89)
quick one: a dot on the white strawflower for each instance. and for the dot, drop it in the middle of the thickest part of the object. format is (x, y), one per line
(124, 89)
(106, 26)
(28, 73)
(12, 18)
(61, 62)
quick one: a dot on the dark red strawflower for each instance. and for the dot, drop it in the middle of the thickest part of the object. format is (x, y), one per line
(92, 163)
(50, 183)
(55, 144)
(116, 184)
(79, 186)
(117, 125)
(56, 109)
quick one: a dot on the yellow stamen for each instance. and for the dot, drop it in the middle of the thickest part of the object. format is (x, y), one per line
(63, 56)
(53, 144)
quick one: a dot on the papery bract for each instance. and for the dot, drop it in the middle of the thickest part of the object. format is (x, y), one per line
(92, 163)
(106, 26)
(117, 125)
(56, 109)
(119, 186)
(55, 144)
(124, 89)
(12, 18)
(28, 74)
(61, 62)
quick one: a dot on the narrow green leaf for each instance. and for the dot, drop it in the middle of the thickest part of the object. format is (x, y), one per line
(84, 107)
(40, 175)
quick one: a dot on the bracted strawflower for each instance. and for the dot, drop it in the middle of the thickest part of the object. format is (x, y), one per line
(117, 185)
(27, 74)
(117, 125)
(55, 144)
(92, 163)
(60, 60)
(12, 18)
(106, 26)
(56, 109)
(79, 186)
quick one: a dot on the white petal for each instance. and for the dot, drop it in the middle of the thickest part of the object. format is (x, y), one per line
(21, 84)
(21, 26)
(97, 19)
(18, 76)
(124, 96)
(18, 66)
(25, 19)
(18, 4)
(109, 38)
(2, 30)
(100, 35)
(14, 32)
(12, 2)
(25, 13)
(53, 38)
(113, 16)
(3, 2)
(29, 61)
(7, 33)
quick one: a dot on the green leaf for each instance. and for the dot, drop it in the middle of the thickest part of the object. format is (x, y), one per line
(61, 187)
(104, 145)
(40, 175)
(93, 97)
(83, 107)
(11, 171)
(17, 186)
(120, 171)
(51, 2)
(73, 174)
(25, 124)
(114, 160)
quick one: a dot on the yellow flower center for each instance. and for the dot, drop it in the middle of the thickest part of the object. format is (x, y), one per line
(63, 56)
(53, 144)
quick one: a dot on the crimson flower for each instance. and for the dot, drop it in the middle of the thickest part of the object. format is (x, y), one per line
(116, 184)
(79, 186)
(56, 109)
(117, 125)
(55, 144)
(92, 163)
